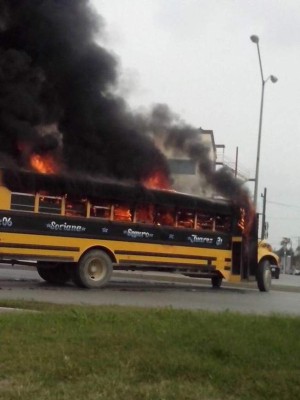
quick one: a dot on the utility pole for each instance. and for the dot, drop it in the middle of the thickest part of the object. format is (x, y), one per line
(273, 79)
(236, 162)
(263, 221)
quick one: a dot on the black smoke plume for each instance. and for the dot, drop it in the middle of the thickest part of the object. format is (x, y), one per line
(52, 73)
(56, 96)
(184, 139)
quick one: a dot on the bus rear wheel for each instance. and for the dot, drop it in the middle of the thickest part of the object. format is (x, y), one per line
(93, 270)
(264, 276)
(53, 273)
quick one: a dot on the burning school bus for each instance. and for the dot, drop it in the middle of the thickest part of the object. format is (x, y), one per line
(83, 229)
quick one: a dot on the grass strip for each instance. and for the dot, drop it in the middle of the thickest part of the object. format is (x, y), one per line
(90, 353)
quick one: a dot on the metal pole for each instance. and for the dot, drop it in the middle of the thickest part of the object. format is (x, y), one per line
(255, 39)
(263, 221)
(263, 82)
(258, 143)
(236, 162)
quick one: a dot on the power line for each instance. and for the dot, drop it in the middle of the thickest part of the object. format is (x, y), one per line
(283, 218)
(283, 204)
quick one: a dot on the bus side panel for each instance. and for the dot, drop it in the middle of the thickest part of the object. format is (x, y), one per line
(5, 197)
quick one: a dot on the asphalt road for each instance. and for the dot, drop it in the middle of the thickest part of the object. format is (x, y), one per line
(145, 290)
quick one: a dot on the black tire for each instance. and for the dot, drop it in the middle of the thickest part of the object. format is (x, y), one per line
(216, 281)
(277, 273)
(93, 270)
(56, 273)
(264, 276)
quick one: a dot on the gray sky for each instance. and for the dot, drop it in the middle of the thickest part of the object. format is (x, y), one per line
(197, 57)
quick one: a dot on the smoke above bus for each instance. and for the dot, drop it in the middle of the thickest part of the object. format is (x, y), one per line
(59, 111)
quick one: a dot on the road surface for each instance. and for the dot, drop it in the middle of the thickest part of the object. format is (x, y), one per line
(22, 283)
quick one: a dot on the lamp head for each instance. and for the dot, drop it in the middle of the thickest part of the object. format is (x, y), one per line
(254, 38)
(273, 79)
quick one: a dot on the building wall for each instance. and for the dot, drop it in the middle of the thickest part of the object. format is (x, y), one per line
(184, 171)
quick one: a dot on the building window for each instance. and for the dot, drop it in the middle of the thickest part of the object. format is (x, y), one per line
(184, 167)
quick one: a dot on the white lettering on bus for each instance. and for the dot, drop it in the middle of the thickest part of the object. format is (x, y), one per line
(138, 234)
(6, 221)
(219, 241)
(200, 239)
(54, 226)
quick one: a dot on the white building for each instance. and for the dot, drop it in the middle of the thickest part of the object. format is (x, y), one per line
(185, 172)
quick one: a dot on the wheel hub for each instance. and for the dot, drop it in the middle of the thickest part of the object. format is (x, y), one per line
(95, 270)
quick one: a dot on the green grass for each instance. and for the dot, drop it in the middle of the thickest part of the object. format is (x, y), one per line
(110, 353)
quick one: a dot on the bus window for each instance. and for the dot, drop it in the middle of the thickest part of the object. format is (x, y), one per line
(122, 212)
(205, 222)
(165, 216)
(241, 221)
(101, 210)
(144, 213)
(50, 204)
(223, 223)
(22, 202)
(75, 207)
(185, 218)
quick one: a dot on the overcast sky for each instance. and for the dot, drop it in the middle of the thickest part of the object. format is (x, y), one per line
(197, 57)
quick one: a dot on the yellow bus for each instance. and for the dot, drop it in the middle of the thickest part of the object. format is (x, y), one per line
(80, 229)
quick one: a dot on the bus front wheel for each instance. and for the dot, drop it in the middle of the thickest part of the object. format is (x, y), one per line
(93, 270)
(264, 276)
(57, 274)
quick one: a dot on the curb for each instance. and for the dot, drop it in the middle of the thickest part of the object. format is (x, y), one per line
(11, 309)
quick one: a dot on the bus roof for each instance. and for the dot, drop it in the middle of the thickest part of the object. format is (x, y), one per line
(92, 188)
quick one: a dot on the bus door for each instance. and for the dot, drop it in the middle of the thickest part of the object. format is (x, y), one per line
(249, 252)
(244, 253)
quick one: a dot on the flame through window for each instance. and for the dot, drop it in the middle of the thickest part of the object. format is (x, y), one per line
(241, 222)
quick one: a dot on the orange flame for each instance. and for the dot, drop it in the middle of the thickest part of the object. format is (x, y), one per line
(241, 222)
(43, 164)
(122, 213)
(157, 181)
(247, 216)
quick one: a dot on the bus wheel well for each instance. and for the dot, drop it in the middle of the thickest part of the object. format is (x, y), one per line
(104, 249)
(271, 260)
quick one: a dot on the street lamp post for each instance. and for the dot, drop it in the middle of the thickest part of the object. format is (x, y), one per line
(273, 79)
